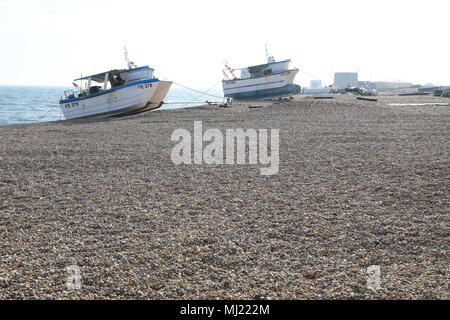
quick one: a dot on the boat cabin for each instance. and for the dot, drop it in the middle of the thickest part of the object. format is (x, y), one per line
(265, 69)
(109, 80)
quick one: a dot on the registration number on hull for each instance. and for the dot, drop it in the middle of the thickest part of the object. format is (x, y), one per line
(145, 86)
(71, 105)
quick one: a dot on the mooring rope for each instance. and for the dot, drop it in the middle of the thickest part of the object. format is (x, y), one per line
(191, 102)
(39, 118)
(198, 97)
(198, 91)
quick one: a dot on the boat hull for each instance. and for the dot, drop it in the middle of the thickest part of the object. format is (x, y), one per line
(129, 99)
(270, 86)
(158, 96)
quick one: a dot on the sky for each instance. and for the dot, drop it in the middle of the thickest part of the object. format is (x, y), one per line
(52, 42)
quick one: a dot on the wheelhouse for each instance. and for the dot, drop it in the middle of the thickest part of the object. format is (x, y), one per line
(264, 69)
(107, 81)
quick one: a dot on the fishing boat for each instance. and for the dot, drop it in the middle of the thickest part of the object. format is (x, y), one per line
(261, 82)
(116, 92)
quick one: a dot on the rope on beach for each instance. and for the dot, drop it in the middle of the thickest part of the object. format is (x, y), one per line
(39, 118)
(192, 102)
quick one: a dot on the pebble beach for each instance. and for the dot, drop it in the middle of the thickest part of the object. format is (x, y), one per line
(360, 183)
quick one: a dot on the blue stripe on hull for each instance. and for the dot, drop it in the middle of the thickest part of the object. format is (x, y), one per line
(266, 93)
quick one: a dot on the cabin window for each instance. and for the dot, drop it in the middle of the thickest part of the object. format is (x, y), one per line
(260, 71)
(116, 80)
(137, 75)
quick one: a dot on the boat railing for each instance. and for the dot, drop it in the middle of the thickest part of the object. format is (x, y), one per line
(69, 94)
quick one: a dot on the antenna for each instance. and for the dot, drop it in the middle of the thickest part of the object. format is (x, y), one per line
(267, 53)
(126, 56)
(229, 69)
(129, 64)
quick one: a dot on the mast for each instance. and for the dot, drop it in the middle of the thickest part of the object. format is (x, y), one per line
(126, 57)
(130, 64)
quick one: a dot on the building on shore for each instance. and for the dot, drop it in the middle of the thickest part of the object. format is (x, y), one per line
(343, 80)
(384, 85)
(392, 86)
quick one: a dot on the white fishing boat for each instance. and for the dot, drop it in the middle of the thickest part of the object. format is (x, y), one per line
(265, 81)
(115, 92)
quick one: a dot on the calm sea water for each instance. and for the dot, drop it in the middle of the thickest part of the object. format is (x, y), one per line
(20, 104)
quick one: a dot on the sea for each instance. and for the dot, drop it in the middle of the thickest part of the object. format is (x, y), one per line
(28, 104)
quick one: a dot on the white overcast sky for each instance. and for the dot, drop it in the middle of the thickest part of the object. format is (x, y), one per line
(51, 42)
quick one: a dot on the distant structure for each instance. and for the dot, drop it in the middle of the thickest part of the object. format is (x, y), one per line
(344, 79)
(316, 87)
(428, 89)
(369, 85)
(442, 92)
(392, 86)
(316, 84)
